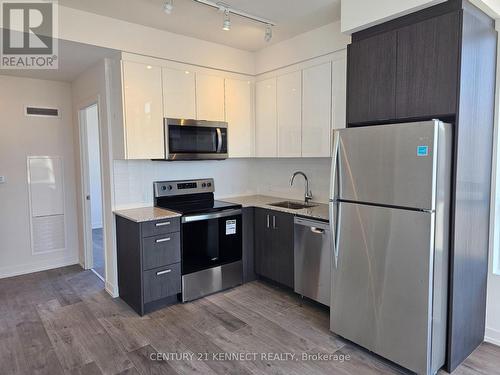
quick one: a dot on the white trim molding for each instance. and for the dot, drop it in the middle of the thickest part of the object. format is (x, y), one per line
(23, 269)
(492, 336)
(111, 289)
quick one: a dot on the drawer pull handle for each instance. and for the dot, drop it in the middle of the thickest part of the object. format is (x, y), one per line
(159, 273)
(163, 240)
(162, 224)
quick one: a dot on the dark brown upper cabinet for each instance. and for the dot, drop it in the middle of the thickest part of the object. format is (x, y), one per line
(427, 67)
(406, 69)
(371, 79)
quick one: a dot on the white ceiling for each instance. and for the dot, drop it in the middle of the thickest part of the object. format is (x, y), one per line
(74, 59)
(200, 21)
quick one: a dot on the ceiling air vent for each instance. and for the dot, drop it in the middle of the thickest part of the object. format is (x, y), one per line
(43, 112)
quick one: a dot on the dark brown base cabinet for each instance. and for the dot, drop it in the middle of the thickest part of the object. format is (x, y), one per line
(274, 256)
(149, 268)
(440, 63)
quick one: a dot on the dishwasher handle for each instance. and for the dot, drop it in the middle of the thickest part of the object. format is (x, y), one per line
(315, 226)
(317, 230)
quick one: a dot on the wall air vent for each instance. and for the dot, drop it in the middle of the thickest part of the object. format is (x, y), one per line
(41, 112)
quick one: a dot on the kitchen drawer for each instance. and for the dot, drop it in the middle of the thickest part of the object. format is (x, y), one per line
(158, 227)
(162, 282)
(161, 250)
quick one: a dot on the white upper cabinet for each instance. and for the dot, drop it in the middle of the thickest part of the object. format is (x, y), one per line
(209, 97)
(265, 118)
(316, 110)
(289, 109)
(239, 116)
(339, 91)
(179, 93)
(143, 110)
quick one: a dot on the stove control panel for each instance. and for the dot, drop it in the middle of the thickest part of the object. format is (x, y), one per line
(183, 187)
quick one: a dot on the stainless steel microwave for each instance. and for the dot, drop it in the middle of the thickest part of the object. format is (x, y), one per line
(195, 139)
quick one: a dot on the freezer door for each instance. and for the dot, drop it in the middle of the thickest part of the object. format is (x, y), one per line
(381, 296)
(391, 165)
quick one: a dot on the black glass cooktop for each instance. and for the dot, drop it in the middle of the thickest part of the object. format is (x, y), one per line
(193, 205)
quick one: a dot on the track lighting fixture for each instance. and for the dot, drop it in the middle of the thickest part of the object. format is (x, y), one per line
(168, 7)
(269, 33)
(226, 25)
(226, 9)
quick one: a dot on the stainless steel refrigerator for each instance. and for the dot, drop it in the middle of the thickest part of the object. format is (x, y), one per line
(389, 217)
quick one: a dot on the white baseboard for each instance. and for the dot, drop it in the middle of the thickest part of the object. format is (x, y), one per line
(111, 289)
(492, 336)
(23, 269)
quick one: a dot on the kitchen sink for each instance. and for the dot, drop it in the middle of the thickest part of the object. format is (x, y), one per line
(292, 205)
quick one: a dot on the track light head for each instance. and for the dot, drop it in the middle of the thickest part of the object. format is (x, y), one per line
(168, 7)
(226, 25)
(269, 33)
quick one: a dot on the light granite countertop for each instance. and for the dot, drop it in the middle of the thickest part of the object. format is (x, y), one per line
(319, 211)
(143, 214)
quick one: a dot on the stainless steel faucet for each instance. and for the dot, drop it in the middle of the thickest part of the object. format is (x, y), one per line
(308, 193)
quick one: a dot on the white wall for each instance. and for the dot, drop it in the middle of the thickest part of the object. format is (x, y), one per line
(79, 26)
(314, 43)
(233, 177)
(361, 14)
(92, 123)
(21, 136)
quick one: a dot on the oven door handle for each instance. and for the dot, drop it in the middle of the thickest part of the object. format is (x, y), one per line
(216, 215)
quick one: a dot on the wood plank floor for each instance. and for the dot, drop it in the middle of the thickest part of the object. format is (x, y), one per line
(63, 322)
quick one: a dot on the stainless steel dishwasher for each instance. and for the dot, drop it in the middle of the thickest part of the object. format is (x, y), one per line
(312, 259)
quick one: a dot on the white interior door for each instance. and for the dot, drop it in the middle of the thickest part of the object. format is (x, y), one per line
(92, 201)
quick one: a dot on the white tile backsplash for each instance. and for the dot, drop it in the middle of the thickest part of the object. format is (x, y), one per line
(272, 177)
(134, 178)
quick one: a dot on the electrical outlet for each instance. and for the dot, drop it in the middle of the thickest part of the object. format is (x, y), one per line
(3, 179)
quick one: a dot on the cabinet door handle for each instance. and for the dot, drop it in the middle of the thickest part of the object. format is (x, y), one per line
(268, 221)
(162, 224)
(163, 240)
(274, 222)
(159, 273)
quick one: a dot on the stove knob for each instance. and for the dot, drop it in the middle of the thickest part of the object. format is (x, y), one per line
(163, 188)
(170, 187)
(209, 184)
(203, 185)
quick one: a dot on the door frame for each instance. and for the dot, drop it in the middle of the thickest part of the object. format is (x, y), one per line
(86, 216)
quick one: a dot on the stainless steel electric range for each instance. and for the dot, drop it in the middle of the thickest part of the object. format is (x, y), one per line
(211, 236)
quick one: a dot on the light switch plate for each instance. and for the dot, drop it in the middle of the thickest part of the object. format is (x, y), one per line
(3, 179)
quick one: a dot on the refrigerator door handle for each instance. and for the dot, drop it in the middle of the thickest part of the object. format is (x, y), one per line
(337, 234)
(335, 154)
(334, 229)
(334, 222)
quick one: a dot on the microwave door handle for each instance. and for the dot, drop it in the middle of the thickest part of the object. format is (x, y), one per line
(219, 140)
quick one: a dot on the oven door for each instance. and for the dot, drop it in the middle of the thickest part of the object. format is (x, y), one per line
(195, 140)
(210, 240)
